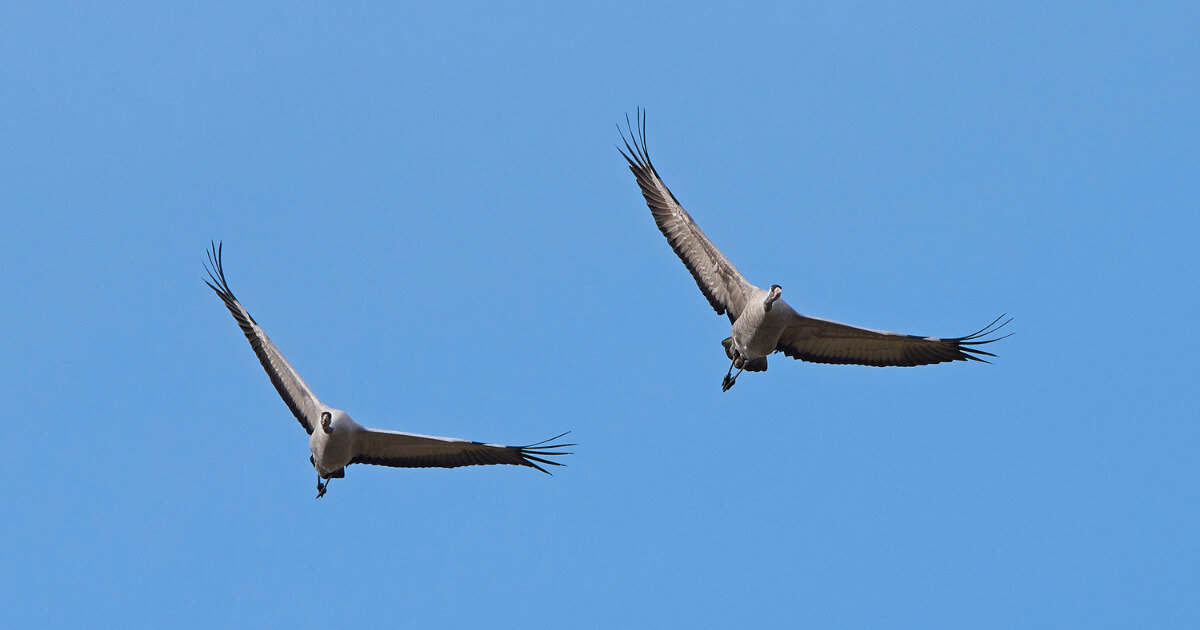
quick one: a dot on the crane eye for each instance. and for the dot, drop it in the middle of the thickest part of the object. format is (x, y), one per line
(325, 417)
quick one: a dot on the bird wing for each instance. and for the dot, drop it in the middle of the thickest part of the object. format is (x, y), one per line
(717, 278)
(824, 341)
(287, 382)
(411, 450)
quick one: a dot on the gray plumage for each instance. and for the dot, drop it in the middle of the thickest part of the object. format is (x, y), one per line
(336, 441)
(762, 323)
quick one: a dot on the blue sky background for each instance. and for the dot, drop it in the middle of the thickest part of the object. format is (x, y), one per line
(424, 208)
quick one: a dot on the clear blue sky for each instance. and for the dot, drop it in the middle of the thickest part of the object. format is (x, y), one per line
(424, 208)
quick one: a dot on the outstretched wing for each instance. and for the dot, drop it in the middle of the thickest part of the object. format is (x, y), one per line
(717, 278)
(410, 450)
(287, 382)
(823, 341)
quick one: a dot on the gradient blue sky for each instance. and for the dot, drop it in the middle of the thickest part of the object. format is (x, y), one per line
(424, 207)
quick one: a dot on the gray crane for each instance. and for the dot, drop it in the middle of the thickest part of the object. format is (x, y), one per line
(762, 323)
(336, 441)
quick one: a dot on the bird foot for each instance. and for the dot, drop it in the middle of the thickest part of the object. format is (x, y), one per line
(727, 382)
(321, 489)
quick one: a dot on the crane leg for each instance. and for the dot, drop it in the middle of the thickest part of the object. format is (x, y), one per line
(321, 486)
(730, 377)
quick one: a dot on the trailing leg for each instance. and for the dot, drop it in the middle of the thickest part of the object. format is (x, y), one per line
(730, 377)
